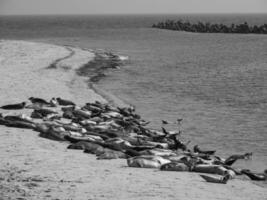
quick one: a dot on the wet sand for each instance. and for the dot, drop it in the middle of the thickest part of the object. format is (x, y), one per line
(37, 168)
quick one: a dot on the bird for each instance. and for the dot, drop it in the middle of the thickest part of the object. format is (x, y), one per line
(64, 102)
(168, 133)
(38, 101)
(144, 123)
(178, 144)
(14, 106)
(165, 131)
(164, 122)
(53, 102)
(132, 108)
(179, 120)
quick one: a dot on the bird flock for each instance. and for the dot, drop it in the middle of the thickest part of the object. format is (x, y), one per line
(112, 132)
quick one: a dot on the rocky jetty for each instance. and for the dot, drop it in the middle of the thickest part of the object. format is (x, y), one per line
(202, 27)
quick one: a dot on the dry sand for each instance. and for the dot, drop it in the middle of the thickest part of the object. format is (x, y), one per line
(32, 167)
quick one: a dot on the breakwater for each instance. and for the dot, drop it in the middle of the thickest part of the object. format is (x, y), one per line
(202, 27)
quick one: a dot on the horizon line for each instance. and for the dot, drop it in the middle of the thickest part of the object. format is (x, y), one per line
(183, 13)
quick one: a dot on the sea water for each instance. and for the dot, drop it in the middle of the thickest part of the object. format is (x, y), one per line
(215, 82)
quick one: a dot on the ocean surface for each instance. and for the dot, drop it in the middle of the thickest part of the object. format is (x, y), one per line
(216, 82)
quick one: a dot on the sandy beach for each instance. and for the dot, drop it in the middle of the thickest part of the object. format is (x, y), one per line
(32, 167)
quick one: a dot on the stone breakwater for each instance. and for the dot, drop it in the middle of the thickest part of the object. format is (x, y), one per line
(201, 27)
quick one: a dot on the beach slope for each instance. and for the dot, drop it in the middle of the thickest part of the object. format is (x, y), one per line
(32, 167)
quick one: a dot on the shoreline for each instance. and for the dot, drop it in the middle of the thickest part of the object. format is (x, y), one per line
(45, 169)
(94, 74)
(96, 69)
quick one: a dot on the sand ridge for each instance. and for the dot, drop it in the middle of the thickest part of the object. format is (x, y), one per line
(32, 167)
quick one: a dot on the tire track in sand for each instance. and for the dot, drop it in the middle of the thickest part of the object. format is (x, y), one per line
(53, 65)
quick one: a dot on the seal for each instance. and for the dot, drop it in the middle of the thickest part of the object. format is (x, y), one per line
(45, 111)
(17, 106)
(18, 121)
(20, 124)
(254, 176)
(83, 114)
(111, 154)
(55, 133)
(147, 161)
(64, 102)
(69, 115)
(213, 179)
(158, 152)
(88, 147)
(198, 150)
(210, 169)
(23, 118)
(229, 161)
(87, 138)
(174, 166)
(35, 114)
(38, 101)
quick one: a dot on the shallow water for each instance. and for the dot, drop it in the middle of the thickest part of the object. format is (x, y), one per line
(216, 82)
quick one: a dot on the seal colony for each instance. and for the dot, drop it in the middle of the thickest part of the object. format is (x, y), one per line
(112, 132)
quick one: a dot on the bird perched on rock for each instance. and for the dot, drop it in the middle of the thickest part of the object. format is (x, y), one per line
(14, 106)
(64, 102)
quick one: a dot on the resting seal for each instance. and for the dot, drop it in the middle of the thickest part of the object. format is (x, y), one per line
(14, 106)
(64, 102)
(254, 176)
(229, 161)
(38, 101)
(174, 166)
(45, 111)
(213, 179)
(198, 150)
(147, 161)
(111, 154)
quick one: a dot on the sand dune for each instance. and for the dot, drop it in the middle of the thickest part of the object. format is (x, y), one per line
(32, 167)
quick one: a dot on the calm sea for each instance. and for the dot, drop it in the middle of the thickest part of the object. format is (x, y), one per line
(216, 82)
